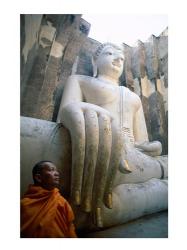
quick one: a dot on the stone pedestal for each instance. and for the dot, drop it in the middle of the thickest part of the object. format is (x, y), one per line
(44, 140)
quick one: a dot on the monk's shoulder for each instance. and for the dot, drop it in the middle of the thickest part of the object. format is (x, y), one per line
(63, 200)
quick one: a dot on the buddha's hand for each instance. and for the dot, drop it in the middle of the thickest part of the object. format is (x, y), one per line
(96, 155)
(150, 148)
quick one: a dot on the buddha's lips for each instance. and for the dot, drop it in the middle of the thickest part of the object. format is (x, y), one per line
(116, 64)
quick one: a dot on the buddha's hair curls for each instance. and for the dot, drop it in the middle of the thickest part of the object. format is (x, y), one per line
(103, 45)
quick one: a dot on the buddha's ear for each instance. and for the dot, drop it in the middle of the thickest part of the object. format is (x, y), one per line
(94, 66)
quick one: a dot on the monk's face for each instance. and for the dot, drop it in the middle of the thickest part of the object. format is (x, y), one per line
(49, 176)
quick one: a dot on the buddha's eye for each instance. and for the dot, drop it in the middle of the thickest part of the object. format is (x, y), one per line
(109, 53)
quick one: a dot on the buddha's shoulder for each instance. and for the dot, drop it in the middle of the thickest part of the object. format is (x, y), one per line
(132, 97)
(131, 93)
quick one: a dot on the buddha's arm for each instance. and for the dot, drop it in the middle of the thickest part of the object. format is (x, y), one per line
(139, 126)
(71, 93)
(141, 137)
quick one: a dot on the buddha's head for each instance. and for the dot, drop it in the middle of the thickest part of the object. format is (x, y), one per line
(109, 60)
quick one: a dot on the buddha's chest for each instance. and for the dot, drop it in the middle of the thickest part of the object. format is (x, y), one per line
(99, 93)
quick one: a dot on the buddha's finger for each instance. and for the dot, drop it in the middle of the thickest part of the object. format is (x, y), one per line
(104, 151)
(73, 119)
(92, 141)
(151, 148)
(115, 158)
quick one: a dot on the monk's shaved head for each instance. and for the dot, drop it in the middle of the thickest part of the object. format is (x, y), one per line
(38, 168)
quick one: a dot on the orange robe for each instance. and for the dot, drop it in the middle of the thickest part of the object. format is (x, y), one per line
(46, 214)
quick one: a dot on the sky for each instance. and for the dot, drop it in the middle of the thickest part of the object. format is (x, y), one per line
(125, 28)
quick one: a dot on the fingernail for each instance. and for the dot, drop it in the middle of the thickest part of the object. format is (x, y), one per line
(127, 166)
(77, 198)
(108, 200)
(86, 205)
(99, 217)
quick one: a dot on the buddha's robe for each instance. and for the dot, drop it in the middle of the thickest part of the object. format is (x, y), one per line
(46, 214)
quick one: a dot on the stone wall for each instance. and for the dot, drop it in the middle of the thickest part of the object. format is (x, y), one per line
(53, 41)
(56, 46)
(84, 60)
(29, 34)
(146, 74)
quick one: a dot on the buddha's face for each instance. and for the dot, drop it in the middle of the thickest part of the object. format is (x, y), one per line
(110, 61)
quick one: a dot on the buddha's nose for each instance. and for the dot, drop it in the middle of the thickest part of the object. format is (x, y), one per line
(117, 57)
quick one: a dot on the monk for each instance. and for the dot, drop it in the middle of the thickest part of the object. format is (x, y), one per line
(44, 212)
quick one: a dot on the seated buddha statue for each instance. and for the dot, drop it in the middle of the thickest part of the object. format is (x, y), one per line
(110, 144)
